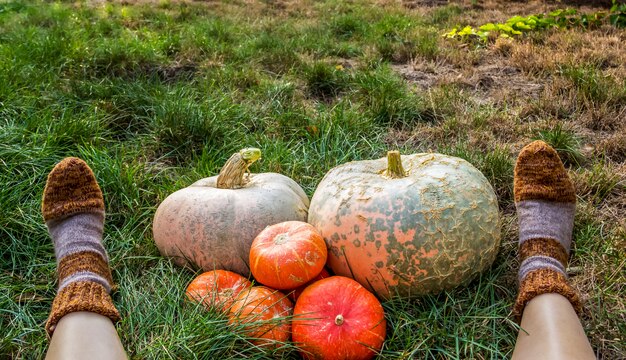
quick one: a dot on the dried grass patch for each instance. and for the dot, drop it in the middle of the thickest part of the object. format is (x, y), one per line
(614, 147)
(602, 48)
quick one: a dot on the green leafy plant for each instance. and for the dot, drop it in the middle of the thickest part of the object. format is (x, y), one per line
(518, 25)
(617, 16)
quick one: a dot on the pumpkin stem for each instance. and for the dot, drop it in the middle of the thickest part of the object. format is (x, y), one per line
(281, 238)
(339, 319)
(394, 165)
(232, 174)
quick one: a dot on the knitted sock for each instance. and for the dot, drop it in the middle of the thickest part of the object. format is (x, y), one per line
(545, 199)
(73, 209)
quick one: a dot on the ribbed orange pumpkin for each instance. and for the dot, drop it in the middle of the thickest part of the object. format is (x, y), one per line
(217, 288)
(337, 318)
(287, 255)
(264, 310)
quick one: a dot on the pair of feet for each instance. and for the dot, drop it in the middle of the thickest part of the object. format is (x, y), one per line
(73, 209)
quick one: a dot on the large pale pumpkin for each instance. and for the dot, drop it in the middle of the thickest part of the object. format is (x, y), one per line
(407, 232)
(211, 224)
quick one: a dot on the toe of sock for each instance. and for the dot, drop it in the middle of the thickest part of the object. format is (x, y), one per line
(71, 188)
(540, 175)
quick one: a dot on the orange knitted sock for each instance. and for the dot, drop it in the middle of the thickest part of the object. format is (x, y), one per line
(73, 209)
(545, 199)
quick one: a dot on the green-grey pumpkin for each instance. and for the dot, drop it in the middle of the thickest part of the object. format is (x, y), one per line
(407, 225)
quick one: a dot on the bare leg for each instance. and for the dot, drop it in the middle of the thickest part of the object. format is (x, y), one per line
(85, 335)
(551, 330)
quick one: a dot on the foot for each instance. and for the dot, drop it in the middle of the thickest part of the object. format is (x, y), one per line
(73, 209)
(546, 200)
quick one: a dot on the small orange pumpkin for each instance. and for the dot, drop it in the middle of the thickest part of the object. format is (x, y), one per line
(287, 255)
(264, 311)
(217, 288)
(337, 319)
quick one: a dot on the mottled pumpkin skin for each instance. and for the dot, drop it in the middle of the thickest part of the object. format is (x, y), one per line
(430, 231)
(212, 228)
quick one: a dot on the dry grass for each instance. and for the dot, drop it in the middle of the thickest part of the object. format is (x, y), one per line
(614, 146)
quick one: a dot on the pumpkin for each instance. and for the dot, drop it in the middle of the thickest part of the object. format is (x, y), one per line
(217, 288)
(337, 318)
(287, 255)
(408, 232)
(295, 293)
(212, 223)
(263, 311)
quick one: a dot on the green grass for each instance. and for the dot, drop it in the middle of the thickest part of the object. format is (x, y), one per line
(565, 142)
(155, 97)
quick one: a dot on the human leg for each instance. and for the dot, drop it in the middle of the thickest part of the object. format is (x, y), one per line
(548, 305)
(551, 330)
(73, 210)
(85, 335)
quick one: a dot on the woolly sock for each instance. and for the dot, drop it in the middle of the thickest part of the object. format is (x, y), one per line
(545, 199)
(73, 210)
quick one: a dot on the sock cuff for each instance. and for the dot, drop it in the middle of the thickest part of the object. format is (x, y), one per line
(81, 296)
(545, 281)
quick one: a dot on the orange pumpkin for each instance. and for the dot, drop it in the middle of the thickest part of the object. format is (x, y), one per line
(287, 255)
(211, 224)
(337, 318)
(263, 310)
(217, 288)
(407, 232)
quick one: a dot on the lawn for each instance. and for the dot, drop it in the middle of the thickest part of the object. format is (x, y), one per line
(156, 95)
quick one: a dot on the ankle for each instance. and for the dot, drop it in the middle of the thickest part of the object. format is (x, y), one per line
(73, 209)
